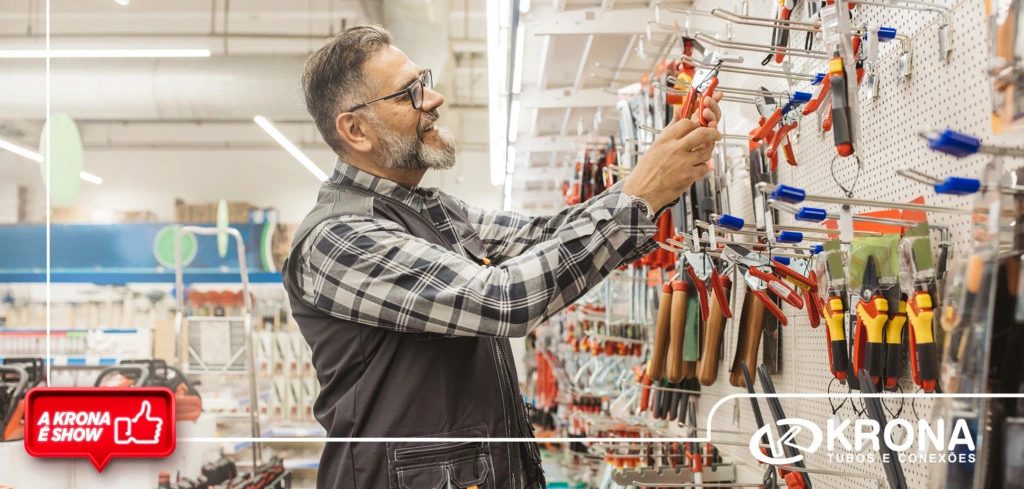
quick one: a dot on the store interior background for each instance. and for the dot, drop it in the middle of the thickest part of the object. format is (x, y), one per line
(170, 138)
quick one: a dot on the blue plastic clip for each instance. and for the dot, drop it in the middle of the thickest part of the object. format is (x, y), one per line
(730, 222)
(782, 259)
(955, 143)
(818, 79)
(789, 194)
(958, 186)
(789, 237)
(811, 214)
(815, 249)
(885, 34)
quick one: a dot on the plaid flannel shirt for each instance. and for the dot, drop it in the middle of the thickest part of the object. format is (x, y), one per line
(370, 271)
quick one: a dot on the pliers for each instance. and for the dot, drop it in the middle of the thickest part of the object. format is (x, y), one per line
(760, 280)
(781, 135)
(700, 268)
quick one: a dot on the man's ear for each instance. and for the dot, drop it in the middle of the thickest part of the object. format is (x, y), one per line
(353, 131)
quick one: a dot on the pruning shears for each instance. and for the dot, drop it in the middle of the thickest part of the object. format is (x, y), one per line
(757, 272)
(702, 86)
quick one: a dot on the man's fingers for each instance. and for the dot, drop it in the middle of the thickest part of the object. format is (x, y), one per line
(680, 128)
(699, 137)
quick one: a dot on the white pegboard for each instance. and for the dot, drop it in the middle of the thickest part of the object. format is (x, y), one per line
(937, 95)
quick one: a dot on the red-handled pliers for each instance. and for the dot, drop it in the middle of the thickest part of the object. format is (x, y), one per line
(777, 286)
(718, 285)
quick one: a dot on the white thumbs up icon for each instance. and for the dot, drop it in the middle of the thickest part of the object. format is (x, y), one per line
(143, 429)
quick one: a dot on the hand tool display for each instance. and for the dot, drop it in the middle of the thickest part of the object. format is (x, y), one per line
(905, 283)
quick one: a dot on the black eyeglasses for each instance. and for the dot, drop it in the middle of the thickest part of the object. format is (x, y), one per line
(414, 91)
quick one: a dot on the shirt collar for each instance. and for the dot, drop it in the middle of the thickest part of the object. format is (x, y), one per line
(346, 174)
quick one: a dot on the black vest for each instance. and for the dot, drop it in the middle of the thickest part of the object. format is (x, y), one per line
(379, 383)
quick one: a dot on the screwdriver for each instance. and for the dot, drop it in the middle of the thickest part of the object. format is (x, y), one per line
(841, 130)
(893, 342)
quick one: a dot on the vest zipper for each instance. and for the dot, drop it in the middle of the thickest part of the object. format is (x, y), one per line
(511, 429)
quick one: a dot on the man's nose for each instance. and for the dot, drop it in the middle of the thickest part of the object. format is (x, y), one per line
(431, 99)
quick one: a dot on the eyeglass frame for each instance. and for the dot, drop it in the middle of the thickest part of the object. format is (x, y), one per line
(405, 91)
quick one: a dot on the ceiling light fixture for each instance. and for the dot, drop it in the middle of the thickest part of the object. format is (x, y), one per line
(20, 151)
(104, 53)
(293, 150)
(38, 158)
(123, 3)
(89, 177)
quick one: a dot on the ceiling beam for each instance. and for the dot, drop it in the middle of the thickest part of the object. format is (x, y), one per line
(566, 98)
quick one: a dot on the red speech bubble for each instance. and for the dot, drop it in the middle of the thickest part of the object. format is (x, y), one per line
(99, 423)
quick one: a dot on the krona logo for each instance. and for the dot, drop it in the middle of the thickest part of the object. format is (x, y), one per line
(787, 439)
(866, 433)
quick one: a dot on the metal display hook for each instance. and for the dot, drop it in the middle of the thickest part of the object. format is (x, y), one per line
(945, 13)
(800, 229)
(755, 232)
(956, 185)
(671, 80)
(795, 25)
(794, 195)
(761, 48)
(747, 70)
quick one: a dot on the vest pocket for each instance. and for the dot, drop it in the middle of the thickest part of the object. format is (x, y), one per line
(442, 465)
(462, 472)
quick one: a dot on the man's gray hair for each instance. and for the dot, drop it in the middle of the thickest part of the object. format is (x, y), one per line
(332, 78)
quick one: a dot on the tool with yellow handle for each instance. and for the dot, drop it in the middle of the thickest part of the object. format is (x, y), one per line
(869, 336)
(893, 342)
(924, 352)
(835, 317)
(656, 365)
(677, 323)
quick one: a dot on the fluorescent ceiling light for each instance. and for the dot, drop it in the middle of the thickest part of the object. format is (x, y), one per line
(32, 155)
(89, 177)
(513, 122)
(123, 3)
(517, 66)
(20, 151)
(293, 150)
(524, 6)
(104, 53)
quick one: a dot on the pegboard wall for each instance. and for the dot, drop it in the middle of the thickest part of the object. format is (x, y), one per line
(938, 94)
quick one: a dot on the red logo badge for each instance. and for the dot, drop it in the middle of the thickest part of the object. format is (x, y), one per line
(99, 423)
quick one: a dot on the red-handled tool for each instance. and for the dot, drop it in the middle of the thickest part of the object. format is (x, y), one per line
(702, 290)
(777, 287)
(718, 285)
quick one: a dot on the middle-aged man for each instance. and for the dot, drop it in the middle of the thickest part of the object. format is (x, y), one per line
(408, 296)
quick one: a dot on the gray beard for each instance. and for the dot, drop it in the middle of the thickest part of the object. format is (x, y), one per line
(411, 153)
